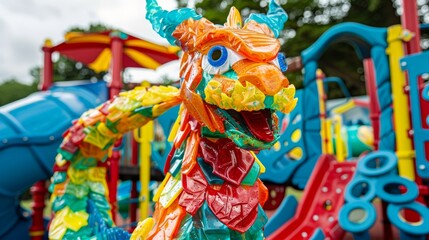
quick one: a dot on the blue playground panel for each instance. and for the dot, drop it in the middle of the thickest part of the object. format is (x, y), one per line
(30, 131)
(417, 65)
(368, 42)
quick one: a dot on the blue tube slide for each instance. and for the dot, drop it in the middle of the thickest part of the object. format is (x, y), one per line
(30, 133)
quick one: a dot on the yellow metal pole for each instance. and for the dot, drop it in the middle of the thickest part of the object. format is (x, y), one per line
(339, 143)
(322, 110)
(145, 139)
(330, 145)
(404, 150)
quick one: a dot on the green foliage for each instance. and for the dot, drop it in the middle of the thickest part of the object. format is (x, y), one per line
(92, 28)
(12, 90)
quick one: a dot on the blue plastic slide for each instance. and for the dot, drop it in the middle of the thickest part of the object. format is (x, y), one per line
(30, 133)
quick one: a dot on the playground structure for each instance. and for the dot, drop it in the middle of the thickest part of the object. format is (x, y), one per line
(321, 219)
(391, 94)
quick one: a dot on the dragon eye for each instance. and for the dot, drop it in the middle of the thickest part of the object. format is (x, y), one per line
(219, 60)
(217, 56)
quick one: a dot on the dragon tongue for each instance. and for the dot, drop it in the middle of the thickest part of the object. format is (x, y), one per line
(257, 123)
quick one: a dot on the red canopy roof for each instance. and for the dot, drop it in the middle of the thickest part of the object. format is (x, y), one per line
(94, 50)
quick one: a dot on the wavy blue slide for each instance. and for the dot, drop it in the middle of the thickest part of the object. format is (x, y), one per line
(30, 133)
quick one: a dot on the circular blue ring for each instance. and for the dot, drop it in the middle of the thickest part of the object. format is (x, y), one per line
(369, 196)
(223, 56)
(394, 217)
(346, 224)
(425, 92)
(389, 165)
(409, 196)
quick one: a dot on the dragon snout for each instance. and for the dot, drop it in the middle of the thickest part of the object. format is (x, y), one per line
(265, 76)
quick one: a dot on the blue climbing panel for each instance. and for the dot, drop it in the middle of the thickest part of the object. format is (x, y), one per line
(416, 65)
(279, 165)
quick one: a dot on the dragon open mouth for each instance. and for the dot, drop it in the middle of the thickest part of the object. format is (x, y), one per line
(259, 123)
(249, 114)
(251, 129)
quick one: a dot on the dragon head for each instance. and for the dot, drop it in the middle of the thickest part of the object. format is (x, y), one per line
(231, 75)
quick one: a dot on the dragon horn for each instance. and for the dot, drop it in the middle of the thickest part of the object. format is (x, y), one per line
(165, 22)
(275, 18)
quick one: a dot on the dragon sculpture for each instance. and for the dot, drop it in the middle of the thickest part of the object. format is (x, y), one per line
(231, 86)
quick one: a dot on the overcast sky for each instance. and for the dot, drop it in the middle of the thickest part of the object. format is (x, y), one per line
(25, 24)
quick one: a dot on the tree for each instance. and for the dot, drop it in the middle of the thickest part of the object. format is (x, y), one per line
(67, 69)
(12, 90)
(308, 19)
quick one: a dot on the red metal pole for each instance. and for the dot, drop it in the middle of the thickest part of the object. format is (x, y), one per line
(374, 108)
(113, 178)
(48, 72)
(410, 22)
(37, 229)
(117, 48)
(115, 87)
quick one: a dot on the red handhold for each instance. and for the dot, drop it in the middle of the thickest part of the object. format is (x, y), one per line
(227, 160)
(236, 207)
(194, 190)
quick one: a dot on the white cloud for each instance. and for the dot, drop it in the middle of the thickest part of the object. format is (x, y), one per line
(25, 24)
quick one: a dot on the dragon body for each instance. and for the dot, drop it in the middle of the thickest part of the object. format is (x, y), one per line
(231, 86)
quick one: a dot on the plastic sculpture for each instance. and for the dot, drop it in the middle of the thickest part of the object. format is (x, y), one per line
(231, 86)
